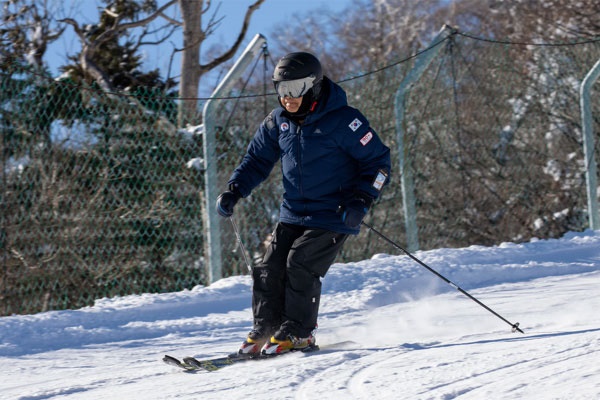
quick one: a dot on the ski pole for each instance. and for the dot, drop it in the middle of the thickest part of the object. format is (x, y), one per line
(239, 240)
(515, 327)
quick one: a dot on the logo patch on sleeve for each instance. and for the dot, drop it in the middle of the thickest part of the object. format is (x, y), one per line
(284, 127)
(367, 138)
(354, 125)
(380, 180)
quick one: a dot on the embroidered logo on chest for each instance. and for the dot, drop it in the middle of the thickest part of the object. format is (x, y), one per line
(367, 138)
(284, 127)
(354, 125)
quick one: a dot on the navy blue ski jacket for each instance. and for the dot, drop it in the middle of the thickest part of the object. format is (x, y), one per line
(325, 161)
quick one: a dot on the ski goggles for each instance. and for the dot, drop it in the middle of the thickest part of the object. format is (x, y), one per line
(295, 88)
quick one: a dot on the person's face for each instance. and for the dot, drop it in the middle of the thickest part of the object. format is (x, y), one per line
(291, 104)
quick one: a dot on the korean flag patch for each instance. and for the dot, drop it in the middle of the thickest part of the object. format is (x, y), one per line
(354, 125)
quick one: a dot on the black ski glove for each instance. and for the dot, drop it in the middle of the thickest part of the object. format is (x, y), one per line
(227, 200)
(355, 210)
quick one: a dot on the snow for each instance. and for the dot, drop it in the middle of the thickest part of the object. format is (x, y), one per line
(407, 334)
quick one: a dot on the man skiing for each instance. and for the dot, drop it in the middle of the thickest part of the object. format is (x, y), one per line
(334, 166)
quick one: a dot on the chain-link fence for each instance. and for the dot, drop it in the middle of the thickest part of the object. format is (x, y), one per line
(100, 194)
(96, 197)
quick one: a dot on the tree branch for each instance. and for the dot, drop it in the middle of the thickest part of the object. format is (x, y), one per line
(171, 20)
(230, 53)
(141, 22)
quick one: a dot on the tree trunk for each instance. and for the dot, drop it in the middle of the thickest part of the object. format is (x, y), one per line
(191, 13)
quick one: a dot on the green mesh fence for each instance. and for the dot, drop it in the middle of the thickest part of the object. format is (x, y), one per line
(96, 197)
(100, 195)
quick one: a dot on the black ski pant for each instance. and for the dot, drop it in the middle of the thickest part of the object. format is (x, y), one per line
(287, 284)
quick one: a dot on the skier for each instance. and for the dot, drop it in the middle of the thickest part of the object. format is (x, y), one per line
(334, 166)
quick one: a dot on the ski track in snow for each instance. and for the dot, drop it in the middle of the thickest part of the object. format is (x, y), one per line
(479, 366)
(394, 333)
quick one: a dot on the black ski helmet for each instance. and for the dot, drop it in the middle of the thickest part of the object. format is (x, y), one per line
(299, 65)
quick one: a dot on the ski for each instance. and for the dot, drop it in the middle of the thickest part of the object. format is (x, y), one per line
(192, 364)
(176, 363)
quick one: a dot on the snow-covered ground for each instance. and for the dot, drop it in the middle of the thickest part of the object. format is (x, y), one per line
(412, 336)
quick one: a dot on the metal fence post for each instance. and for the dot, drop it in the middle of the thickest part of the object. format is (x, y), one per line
(212, 226)
(588, 144)
(422, 61)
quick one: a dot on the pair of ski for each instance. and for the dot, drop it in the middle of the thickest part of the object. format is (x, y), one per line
(191, 364)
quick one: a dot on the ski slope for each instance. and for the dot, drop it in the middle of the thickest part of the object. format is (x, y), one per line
(407, 334)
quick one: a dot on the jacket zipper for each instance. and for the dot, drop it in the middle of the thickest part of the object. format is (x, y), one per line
(301, 170)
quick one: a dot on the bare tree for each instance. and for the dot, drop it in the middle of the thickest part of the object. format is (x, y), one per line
(112, 24)
(193, 35)
(27, 29)
(115, 22)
